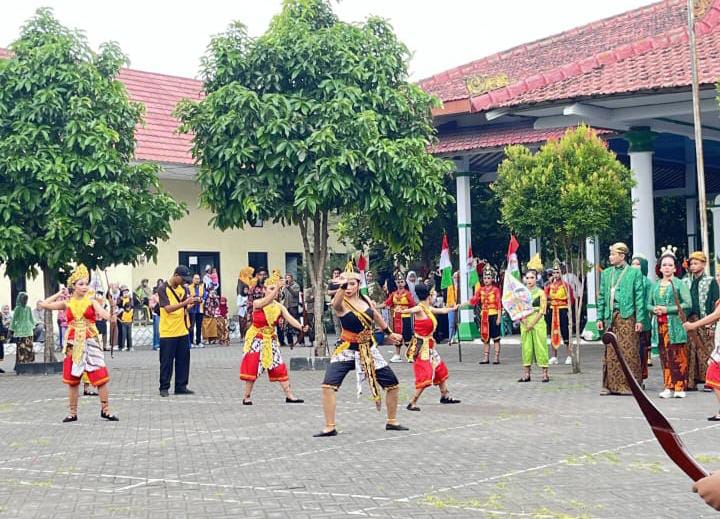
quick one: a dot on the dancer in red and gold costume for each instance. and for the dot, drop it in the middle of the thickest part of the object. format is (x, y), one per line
(83, 354)
(429, 368)
(559, 298)
(398, 302)
(490, 300)
(262, 351)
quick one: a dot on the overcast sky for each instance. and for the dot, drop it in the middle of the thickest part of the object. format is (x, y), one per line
(170, 36)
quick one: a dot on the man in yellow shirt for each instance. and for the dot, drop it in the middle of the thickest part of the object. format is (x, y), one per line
(174, 301)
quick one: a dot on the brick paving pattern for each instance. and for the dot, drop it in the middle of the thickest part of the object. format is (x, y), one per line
(555, 450)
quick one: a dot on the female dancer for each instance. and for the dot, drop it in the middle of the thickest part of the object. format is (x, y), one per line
(668, 331)
(712, 378)
(83, 354)
(357, 350)
(429, 368)
(533, 330)
(262, 351)
(398, 302)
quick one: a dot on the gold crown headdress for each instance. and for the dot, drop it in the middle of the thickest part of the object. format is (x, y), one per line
(535, 263)
(80, 272)
(488, 271)
(556, 264)
(699, 256)
(620, 248)
(246, 276)
(274, 279)
(668, 250)
(350, 271)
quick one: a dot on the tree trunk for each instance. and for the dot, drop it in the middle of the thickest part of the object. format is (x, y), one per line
(49, 287)
(316, 260)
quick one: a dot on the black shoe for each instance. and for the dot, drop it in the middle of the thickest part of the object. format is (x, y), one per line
(395, 427)
(89, 393)
(164, 392)
(2, 370)
(411, 407)
(546, 379)
(715, 418)
(484, 362)
(524, 379)
(184, 392)
(323, 434)
(448, 400)
(70, 418)
(496, 362)
(109, 417)
(294, 401)
(247, 401)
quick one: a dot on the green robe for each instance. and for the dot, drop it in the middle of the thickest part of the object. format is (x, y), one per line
(629, 293)
(704, 293)
(666, 298)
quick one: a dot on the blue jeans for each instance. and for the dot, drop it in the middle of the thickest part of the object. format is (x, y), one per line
(156, 331)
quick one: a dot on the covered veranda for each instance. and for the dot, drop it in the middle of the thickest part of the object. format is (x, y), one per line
(630, 81)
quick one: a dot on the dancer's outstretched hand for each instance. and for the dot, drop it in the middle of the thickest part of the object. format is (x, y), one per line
(396, 338)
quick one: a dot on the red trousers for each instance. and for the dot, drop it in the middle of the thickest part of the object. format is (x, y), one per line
(424, 373)
(97, 378)
(249, 369)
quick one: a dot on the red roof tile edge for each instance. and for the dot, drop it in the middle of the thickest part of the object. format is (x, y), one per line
(707, 24)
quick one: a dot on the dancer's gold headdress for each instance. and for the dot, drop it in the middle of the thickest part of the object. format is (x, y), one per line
(274, 279)
(80, 272)
(535, 263)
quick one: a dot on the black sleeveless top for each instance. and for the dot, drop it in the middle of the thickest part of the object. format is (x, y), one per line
(351, 323)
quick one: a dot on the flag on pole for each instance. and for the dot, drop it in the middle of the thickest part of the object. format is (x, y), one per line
(516, 297)
(362, 267)
(445, 265)
(473, 278)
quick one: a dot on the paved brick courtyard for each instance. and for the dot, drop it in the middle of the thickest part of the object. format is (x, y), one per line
(535, 450)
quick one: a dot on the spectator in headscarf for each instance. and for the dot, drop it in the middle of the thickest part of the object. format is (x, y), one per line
(22, 326)
(411, 280)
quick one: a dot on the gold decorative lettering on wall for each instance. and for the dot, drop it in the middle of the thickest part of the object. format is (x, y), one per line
(477, 85)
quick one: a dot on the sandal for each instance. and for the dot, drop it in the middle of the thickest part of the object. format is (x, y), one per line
(70, 418)
(411, 407)
(247, 401)
(108, 417)
(289, 400)
(90, 393)
(323, 434)
(546, 379)
(715, 418)
(448, 400)
(524, 379)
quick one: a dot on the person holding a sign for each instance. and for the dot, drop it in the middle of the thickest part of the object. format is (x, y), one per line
(533, 330)
(490, 301)
(620, 304)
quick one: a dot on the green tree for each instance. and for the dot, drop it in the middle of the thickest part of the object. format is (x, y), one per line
(570, 189)
(69, 190)
(315, 118)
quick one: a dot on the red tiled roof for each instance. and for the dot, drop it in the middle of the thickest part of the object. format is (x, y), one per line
(662, 68)
(157, 139)
(489, 137)
(638, 36)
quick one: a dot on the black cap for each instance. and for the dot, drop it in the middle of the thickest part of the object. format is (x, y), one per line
(185, 273)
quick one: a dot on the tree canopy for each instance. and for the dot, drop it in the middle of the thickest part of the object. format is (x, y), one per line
(316, 118)
(571, 189)
(69, 189)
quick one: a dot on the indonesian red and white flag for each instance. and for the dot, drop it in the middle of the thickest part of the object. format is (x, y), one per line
(362, 267)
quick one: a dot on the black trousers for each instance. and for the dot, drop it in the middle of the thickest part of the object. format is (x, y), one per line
(175, 351)
(124, 335)
(196, 320)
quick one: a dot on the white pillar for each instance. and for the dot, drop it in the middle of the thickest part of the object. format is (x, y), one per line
(715, 209)
(644, 207)
(464, 217)
(591, 333)
(467, 330)
(535, 247)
